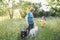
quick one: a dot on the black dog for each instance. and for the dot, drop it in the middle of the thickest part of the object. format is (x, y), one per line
(24, 33)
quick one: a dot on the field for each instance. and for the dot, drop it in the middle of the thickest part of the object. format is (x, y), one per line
(10, 29)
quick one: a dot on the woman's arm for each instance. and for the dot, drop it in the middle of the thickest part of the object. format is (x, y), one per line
(26, 18)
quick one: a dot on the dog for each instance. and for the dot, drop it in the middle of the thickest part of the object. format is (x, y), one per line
(33, 31)
(25, 33)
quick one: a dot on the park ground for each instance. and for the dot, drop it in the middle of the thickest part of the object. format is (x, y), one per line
(10, 28)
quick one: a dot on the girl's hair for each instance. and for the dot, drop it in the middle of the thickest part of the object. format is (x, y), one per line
(43, 18)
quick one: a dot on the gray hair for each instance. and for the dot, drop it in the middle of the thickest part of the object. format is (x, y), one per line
(32, 9)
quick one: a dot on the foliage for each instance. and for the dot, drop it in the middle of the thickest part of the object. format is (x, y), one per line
(25, 8)
(55, 5)
(3, 8)
(37, 9)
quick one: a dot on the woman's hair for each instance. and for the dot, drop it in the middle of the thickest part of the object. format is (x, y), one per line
(32, 9)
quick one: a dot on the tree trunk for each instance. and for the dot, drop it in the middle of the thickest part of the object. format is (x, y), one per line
(10, 14)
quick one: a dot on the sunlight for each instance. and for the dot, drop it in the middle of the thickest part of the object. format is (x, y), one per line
(16, 11)
(17, 14)
(7, 1)
(43, 3)
(10, 2)
(45, 8)
(37, 1)
(16, 1)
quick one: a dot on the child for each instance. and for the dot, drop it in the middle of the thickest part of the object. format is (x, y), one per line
(43, 21)
(30, 18)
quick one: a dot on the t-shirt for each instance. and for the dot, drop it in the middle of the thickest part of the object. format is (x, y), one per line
(30, 18)
(43, 22)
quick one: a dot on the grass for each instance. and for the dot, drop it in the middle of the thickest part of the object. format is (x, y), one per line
(10, 29)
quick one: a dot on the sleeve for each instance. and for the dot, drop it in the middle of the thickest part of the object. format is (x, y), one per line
(28, 14)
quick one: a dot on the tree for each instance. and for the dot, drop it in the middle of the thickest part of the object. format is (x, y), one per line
(3, 8)
(37, 9)
(55, 5)
(25, 8)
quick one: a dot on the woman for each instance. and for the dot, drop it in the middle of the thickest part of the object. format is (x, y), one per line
(30, 18)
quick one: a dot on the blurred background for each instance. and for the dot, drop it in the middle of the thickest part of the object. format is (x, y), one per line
(12, 18)
(19, 8)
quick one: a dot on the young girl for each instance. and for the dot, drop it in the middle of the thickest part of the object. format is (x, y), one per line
(30, 18)
(43, 21)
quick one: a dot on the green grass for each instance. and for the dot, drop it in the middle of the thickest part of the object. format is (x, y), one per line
(10, 29)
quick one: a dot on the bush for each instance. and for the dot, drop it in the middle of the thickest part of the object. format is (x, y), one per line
(58, 14)
(3, 13)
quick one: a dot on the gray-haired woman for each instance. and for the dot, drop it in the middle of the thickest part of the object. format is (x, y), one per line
(30, 18)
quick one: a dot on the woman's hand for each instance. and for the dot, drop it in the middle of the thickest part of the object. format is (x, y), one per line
(26, 20)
